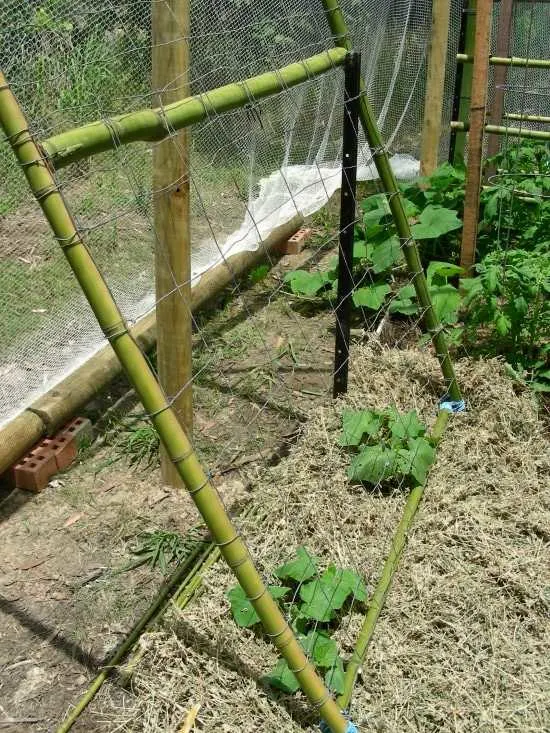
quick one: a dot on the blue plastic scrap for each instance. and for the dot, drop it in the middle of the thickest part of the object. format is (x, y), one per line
(452, 405)
(350, 729)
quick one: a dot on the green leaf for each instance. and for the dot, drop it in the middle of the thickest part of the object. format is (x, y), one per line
(442, 270)
(327, 594)
(416, 460)
(374, 463)
(411, 209)
(361, 250)
(406, 425)
(371, 297)
(435, 221)
(282, 678)
(334, 678)
(242, 609)
(307, 283)
(320, 648)
(446, 301)
(385, 254)
(356, 423)
(302, 567)
(502, 324)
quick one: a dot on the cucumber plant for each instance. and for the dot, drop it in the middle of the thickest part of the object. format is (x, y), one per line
(314, 602)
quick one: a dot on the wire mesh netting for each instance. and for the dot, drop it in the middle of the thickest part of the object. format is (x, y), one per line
(71, 63)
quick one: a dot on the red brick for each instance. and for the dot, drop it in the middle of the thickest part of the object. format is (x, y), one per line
(296, 243)
(34, 470)
(79, 429)
(63, 447)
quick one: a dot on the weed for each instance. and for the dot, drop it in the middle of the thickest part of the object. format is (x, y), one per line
(139, 445)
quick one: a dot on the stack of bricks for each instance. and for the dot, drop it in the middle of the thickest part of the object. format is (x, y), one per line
(34, 471)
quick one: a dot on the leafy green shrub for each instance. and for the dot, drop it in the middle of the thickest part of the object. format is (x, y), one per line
(387, 446)
(314, 602)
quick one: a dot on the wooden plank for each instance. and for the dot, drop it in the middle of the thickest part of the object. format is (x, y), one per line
(458, 145)
(500, 72)
(435, 85)
(478, 108)
(170, 63)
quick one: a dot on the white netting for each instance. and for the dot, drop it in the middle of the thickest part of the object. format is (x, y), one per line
(70, 62)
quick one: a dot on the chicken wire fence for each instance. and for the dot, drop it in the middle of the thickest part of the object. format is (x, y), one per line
(71, 62)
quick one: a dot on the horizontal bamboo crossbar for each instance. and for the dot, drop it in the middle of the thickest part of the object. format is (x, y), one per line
(502, 130)
(159, 123)
(527, 118)
(463, 58)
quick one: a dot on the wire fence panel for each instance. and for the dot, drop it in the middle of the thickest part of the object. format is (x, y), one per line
(72, 62)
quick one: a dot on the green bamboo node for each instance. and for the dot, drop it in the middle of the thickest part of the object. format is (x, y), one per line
(175, 441)
(157, 124)
(381, 160)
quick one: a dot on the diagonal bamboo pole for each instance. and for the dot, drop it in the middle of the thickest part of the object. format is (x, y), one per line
(156, 124)
(174, 439)
(388, 571)
(380, 156)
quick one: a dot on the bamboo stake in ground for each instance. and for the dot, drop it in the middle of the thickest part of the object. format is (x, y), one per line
(478, 108)
(152, 124)
(388, 571)
(203, 493)
(380, 156)
(170, 64)
(435, 86)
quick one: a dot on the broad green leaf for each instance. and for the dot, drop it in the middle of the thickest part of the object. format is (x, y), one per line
(359, 250)
(446, 301)
(374, 209)
(405, 306)
(411, 209)
(323, 596)
(502, 324)
(416, 460)
(320, 648)
(302, 567)
(356, 423)
(374, 463)
(407, 291)
(282, 678)
(435, 221)
(306, 283)
(242, 609)
(371, 297)
(334, 678)
(442, 270)
(406, 425)
(385, 254)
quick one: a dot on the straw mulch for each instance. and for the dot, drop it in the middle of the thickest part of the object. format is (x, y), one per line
(464, 642)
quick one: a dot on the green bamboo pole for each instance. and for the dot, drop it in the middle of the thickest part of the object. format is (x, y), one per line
(464, 58)
(527, 118)
(174, 439)
(156, 608)
(380, 156)
(156, 124)
(388, 571)
(503, 130)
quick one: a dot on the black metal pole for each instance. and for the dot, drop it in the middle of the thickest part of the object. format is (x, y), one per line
(458, 79)
(350, 136)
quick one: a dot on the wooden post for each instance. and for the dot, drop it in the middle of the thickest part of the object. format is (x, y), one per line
(465, 91)
(170, 63)
(478, 108)
(435, 84)
(500, 73)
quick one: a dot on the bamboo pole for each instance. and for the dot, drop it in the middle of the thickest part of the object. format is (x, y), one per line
(152, 124)
(204, 495)
(380, 156)
(388, 571)
(170, 80)
(435, 86)
(465, 92)
(478, 108)
(510, 131)
(184, 572)
(500, 75)
(463, 58)
(53, 409)
(527, 118)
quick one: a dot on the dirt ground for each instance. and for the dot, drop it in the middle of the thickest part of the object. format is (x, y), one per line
(464, 643)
